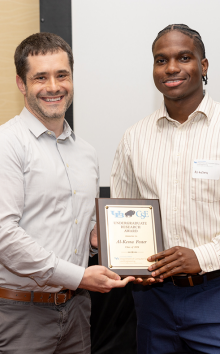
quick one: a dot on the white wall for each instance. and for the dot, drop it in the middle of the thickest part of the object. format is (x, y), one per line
(113, 63)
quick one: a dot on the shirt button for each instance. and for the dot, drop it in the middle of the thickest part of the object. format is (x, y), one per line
(178, 154)
(49, 133)
(76, 221)
(75, 251)
(67, 165)
(210, 267)
(177, 237)
(176, 181)
(175, 209)
(74, 192)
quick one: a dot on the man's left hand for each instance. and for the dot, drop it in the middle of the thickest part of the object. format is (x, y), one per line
(93, 237)
(175, 260)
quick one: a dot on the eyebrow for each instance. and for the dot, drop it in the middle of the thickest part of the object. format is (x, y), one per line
(185, 52)
(159, 55)
(179, 53)
(41, 73)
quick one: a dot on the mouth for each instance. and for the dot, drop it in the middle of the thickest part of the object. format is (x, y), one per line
(173, 83)
(52, 99)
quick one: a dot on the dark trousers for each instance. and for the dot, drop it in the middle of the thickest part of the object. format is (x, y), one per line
(40, 328)
(173, 319)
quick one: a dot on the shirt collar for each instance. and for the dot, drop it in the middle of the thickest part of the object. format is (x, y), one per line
(67, 131)
(206, 108)
(37, 128)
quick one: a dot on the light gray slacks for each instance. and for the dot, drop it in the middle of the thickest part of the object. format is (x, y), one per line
(35, 328)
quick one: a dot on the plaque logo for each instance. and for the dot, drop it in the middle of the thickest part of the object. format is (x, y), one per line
(140, 214)
(129, 213)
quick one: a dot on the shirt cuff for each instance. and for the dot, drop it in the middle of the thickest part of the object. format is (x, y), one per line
(67, 275)
(208, 256)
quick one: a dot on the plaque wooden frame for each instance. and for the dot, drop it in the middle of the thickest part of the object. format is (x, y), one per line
(101, 203)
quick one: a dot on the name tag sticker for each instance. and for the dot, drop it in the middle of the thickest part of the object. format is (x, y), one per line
(206, 169)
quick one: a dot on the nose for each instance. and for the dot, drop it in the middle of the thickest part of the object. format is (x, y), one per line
(172, 67)
(53, 85)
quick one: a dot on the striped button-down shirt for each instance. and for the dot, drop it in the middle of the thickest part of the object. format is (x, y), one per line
(155, 160)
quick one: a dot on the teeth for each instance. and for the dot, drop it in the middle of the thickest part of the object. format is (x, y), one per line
(53, 99)
(173, 81)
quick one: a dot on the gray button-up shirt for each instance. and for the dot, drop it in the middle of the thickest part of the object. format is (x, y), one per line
(48, 187)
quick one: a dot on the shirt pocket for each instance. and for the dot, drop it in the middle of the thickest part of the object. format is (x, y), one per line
(205, 190)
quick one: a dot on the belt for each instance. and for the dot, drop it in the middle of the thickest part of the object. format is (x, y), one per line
(19, 295)
(192, 280)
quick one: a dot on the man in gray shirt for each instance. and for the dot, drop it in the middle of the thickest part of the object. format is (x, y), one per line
(48, 183)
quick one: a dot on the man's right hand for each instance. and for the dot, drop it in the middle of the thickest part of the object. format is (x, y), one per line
(101, 279)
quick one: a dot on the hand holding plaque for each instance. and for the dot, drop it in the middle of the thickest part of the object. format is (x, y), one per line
(129, 231)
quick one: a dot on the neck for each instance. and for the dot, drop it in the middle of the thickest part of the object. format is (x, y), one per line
(181, 109)
(53, 124)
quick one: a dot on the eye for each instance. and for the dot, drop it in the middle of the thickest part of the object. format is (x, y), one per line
(41, 78)
(160, 61)
(62, 76)
(185, 58)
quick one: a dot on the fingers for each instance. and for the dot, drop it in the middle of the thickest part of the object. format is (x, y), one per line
(111, 274)
(142, 280)
(162, 262)
(170, 273)
(138, 281)
(174, 261)
(168, 270)
(163, 254)
(99, 278)
(148, 281)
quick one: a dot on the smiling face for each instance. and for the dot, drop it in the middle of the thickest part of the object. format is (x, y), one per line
(178, 66)
(49, 86)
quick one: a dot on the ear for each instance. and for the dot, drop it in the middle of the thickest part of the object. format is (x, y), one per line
(205, 65)
(21, 85)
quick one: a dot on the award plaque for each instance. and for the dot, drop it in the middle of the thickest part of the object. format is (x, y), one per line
(129, 231)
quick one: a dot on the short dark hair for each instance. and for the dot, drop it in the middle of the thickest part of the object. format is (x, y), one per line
(39, 43)
(188, 32)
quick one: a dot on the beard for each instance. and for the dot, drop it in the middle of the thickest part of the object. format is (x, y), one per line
(52, 112)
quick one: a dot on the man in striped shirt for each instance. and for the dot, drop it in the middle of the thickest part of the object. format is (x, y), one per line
(174, 155)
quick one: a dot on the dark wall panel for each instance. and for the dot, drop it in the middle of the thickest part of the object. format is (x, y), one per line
(104, 192)
(56, 17)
